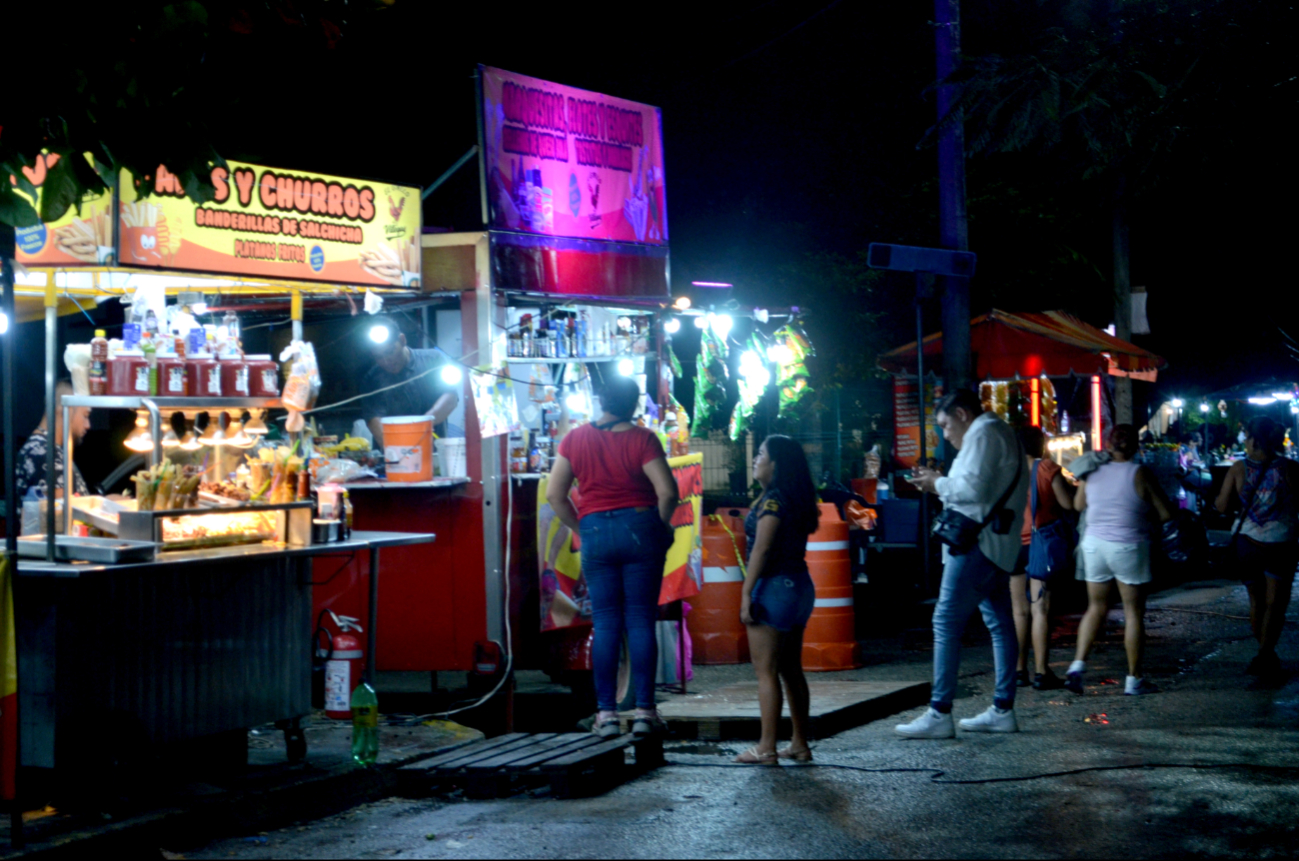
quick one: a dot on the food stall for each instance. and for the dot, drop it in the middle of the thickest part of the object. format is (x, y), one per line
(1037, 368)
(183, 610)
(568, 283)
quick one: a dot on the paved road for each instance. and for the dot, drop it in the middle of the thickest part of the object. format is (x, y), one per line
(1243, 800)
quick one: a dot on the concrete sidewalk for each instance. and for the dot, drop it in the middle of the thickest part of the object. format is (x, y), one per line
(1204, 767)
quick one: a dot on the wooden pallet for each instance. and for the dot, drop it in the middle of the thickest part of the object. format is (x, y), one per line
(572, 764)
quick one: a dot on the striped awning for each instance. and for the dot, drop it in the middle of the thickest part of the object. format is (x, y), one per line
(1004, 345)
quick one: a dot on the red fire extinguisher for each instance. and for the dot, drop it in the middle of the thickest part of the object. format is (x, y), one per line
(344, 665)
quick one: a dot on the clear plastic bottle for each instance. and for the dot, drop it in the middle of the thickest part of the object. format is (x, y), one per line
(365, 724)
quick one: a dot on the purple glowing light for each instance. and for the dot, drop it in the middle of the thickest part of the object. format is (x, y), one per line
(718, 284)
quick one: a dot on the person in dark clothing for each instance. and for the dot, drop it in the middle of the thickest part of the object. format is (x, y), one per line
(778, 596)
(405, 382)
(32, 456)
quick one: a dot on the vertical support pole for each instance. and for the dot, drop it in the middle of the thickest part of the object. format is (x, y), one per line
(51, 438)
(372, 619)
(923, 527)
(1097, 445)
(9, 463)
(953, 226)
(1122, 298)
(681, 645)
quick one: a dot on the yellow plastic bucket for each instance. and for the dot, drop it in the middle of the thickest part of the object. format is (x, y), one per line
(408, 447)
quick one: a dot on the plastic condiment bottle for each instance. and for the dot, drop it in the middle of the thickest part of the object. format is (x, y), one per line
(204, 376)
(99, 363)
(263, 377)
(172, 379)
(234, 377)
(151, 357)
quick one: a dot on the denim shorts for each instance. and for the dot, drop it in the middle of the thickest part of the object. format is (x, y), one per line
(783, 601)
(1257, 559)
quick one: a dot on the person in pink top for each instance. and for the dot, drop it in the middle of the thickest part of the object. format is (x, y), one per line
(626, 499)
(1117, 497)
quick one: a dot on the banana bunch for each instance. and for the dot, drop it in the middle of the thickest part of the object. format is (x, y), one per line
(348, 443)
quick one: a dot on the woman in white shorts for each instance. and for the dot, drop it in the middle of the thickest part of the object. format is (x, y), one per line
(1116, 547)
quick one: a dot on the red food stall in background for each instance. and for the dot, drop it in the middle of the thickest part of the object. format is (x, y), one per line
(573, 198)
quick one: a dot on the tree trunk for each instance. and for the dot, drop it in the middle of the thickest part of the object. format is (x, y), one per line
(1122, 298)
(953, 227)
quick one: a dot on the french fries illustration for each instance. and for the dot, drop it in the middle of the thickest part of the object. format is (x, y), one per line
(139, 214)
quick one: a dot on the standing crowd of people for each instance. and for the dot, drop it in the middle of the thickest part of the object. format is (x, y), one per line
(1007, 535)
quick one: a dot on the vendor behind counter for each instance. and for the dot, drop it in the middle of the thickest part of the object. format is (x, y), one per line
(32, 456)
(397, 371)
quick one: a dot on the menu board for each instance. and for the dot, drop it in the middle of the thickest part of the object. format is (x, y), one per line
(274, 223)
(560, 161)
(906, 421)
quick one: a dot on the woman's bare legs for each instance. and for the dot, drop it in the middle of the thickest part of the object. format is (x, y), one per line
(764, 648)
(1134, 625)
(1277, 597)
(1098, 601)
(791, 673)
(1040, 605)
(1019, 609)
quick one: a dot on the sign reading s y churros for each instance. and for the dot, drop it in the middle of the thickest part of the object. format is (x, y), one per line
(276, 223)
(263, 222)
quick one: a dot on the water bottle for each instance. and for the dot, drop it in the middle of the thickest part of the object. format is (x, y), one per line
(365, 724)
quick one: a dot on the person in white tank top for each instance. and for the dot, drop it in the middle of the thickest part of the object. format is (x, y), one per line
(1116, 548)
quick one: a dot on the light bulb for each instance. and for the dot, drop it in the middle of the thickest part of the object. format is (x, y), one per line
(255, 426)
(379, 334)
(576, 403)
(189, 442)
(625, 367)
(1177, 403)
(701, 322)
(1281, 396)
(1204, 408)
(672, 325)
(451, 374)
(722, 325)
(682, 303)
(140, 439)
(4, 322)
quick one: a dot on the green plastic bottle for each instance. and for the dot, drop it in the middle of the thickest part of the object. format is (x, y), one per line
(365, 724)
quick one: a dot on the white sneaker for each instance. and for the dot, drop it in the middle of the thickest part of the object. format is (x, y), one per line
(993, 720)
(1135, 686)
(931, 724)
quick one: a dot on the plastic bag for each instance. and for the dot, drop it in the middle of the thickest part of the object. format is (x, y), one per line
(859, 515)
(76, 358)
(341, 470)
(710, 380)
(303, 385)
(792, 350)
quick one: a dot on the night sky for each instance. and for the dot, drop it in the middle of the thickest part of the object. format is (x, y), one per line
(791, 131)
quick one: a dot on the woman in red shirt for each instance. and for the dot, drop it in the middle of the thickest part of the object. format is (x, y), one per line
(623, 515)
(1029, 595)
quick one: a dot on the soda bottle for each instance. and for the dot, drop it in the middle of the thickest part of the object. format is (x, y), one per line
(99, 363)
(365, 724)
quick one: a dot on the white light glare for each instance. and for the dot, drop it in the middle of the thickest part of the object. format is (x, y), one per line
(1204, 408)
(378, 334)
(753, 368)
(198, 308)
(4, 322)
(576, 403)
(452, 375)
(779, 353)
(1177, 403)
(1281, 396)
(625, 367)
(1294, 408)
(701, 322)
(672, 325)
(1262, 402)
(722, 325)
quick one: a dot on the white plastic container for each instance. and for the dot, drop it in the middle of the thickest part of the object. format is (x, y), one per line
(451, 457)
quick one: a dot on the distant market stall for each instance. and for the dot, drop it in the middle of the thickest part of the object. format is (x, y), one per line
(1018, 356)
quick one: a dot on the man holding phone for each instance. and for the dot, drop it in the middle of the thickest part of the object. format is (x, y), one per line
(986, 478)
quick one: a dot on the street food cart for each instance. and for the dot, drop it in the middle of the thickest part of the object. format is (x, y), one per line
(567, 284)
(188, 616)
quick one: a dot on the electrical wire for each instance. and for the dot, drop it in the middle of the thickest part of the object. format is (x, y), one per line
(1198, 612)
(935, 774)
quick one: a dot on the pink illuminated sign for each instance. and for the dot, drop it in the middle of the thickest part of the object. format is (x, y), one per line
(567, 162)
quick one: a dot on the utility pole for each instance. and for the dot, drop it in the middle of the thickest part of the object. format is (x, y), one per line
(1122, 298)
(953, 228)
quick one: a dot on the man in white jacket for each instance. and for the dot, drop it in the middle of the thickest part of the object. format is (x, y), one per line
(988, 462)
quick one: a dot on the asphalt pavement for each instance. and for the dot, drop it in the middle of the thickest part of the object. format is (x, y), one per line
(1204, 767)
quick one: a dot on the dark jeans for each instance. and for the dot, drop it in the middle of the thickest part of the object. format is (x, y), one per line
(622, 559)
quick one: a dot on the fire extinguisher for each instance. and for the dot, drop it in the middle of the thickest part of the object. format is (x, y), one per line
(342, 663)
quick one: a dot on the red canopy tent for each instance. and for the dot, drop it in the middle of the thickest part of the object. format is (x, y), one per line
(1003, 345)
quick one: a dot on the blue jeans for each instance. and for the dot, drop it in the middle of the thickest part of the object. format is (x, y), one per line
(622, 559)
(968, 581)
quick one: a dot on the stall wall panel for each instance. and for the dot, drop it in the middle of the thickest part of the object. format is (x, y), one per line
(160, 655)
(432, 606)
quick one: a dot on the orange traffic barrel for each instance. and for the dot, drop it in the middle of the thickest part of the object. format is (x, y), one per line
(717, 635)
(830, 641)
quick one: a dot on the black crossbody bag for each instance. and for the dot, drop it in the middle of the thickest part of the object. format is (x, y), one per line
(961, 533)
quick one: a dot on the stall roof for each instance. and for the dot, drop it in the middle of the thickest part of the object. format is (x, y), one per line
(1053, 343)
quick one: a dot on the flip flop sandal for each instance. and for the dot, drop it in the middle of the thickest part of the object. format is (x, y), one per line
(753, 757)
(804, 755)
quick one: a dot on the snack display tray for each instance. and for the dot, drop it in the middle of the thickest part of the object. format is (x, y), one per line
(106, 550)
